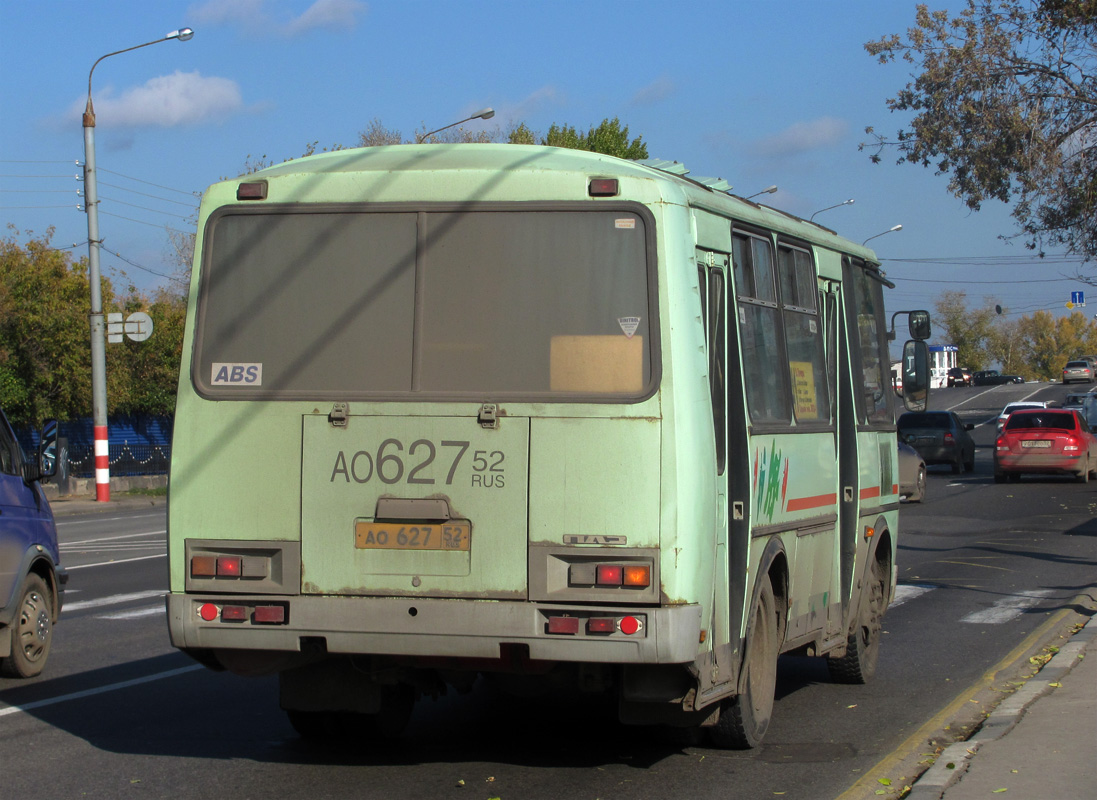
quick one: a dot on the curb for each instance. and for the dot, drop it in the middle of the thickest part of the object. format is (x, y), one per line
(955, 759)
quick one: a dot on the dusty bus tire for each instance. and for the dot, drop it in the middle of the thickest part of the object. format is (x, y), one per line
(31, 631)
(858, 665)
(745, 717)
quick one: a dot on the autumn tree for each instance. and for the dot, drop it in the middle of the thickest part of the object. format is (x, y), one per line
(1048, 342)
(1004, 98)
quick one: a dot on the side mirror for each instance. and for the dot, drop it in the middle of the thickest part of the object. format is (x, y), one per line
(918, 323)
(47, 450)
(916, 376)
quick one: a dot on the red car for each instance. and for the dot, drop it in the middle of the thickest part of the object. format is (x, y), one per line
(1048, 441)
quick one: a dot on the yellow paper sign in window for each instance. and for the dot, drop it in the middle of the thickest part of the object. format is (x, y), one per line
(803, 389)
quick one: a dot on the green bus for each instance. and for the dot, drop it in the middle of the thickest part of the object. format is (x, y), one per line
(532, 415)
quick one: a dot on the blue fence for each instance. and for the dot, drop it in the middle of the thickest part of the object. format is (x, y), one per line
(137, 445)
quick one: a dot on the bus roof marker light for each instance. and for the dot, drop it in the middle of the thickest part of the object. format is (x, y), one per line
(252, 190)
(603, 187)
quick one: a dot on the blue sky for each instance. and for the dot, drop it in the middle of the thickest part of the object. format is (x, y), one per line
(756, 93)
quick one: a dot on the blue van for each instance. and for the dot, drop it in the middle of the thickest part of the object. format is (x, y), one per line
(32, 581)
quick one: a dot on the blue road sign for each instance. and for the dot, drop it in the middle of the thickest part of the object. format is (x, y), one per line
(1078, 298)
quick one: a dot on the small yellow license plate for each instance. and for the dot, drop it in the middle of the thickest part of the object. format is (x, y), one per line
(453, 535)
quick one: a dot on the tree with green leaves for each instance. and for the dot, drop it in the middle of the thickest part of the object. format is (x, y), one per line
(1004, 102)
(966, 326)
(45, 349)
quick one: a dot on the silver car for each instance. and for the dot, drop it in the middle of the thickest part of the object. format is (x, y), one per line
(1078, 371)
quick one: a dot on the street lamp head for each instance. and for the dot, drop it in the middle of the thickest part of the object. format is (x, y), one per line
(183, 35)
(484, 113)
(892, 229)
(767, 190)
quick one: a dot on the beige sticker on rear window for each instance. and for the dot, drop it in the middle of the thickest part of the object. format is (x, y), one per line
(625, 224)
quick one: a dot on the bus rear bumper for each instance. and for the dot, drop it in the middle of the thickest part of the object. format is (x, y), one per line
(434, 627)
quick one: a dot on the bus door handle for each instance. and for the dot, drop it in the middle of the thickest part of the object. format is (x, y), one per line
(847, 494)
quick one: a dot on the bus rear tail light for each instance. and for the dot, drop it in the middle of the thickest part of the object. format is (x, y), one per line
(566, 625)
(234, 613)
(638, 575)
(609, 575)
(571, 625)
(229, 566)
(606, 576)
(603, 187)
(270, 615)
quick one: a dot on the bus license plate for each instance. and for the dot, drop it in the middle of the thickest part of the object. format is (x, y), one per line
(1036, 443)
(454, 535)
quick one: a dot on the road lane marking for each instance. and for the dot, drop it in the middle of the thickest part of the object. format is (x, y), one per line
(908, 591)
(135, 613)
(869, 782)
(1007, 608)
(116, 561)
(65, 522)
(100, 690)
(110, 538)
(113, 600)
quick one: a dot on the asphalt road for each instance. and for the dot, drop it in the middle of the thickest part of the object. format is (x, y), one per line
(119, 712)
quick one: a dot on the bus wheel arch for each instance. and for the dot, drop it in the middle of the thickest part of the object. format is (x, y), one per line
(744, 717)
(858, 664)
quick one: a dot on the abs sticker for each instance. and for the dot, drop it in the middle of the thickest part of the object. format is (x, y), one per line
(237, 375)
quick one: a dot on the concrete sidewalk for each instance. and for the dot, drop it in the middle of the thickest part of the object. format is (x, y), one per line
(86, 503)
(1039, 744)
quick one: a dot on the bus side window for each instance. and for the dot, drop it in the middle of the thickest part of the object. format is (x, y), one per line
(716, 361)
(765, 366)
(869, 331)
(803, 336)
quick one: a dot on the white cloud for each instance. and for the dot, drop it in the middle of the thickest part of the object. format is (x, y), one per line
(255, 16)
(336, 14)
(659, 89)
(802, 137)
(168, 101)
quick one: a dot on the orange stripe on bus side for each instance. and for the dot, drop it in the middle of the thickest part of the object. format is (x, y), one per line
(801, 503)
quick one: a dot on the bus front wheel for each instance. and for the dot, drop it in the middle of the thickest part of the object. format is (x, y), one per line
(745, 717)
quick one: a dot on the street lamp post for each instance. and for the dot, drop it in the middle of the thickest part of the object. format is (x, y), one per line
(98, 341)
(828, 208)
(892, 229)
(483, 113)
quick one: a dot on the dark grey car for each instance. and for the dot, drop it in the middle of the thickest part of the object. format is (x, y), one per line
(940, 438)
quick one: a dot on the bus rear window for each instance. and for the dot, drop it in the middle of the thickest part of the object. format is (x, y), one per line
(479, 304)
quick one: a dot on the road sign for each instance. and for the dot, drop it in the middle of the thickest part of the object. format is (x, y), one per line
(1078, 299)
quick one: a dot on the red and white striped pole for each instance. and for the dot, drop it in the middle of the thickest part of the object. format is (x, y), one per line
(102, 464)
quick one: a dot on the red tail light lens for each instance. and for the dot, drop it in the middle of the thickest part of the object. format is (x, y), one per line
(229, 566)
(949, 438)
(567, 625)
(601, 625)
(234, 613)
(610, 575)
(270, 615)
(203, 566)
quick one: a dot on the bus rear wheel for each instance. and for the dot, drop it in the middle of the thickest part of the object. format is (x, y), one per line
(858, 665)
(745, 717)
